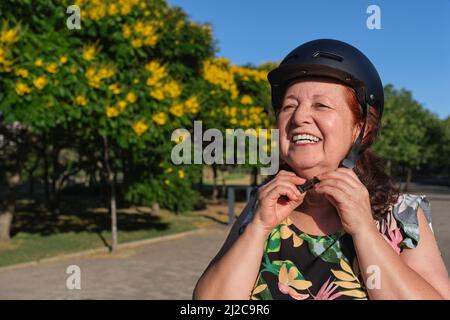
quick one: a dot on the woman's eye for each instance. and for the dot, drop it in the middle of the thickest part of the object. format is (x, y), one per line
(322, 105)
(288, 107)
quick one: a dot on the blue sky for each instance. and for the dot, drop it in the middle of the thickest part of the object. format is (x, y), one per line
(411, 50)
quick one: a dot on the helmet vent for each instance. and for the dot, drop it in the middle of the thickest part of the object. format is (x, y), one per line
(327, 55)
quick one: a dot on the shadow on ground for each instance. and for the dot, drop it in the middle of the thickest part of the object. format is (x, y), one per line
(78, 214)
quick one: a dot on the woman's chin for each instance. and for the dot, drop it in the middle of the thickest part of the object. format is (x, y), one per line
(305, 169)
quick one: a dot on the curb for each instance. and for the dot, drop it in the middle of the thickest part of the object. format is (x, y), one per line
(127, 245)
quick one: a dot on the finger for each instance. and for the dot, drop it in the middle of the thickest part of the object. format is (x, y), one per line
(280, 174)
(282, 190)
(287, 184)
(338, 195)
(291, 179)
(341, 176)
(337, 183)
(296, 180)
(286, 173)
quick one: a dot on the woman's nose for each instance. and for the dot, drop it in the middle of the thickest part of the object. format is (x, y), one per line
(303, 114)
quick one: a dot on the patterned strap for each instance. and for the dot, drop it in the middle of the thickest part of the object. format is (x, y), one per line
(253, 201)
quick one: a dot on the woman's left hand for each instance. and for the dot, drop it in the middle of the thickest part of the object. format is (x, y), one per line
(350, 197)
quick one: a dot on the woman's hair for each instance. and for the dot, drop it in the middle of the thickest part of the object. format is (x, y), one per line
(370, 168)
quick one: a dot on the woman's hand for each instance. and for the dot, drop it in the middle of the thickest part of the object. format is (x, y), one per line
(277, 199)
(350, 197)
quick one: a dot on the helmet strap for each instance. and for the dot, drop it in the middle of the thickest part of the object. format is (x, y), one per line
(351, 158)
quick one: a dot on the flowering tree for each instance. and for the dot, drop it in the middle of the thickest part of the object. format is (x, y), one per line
(105, 99)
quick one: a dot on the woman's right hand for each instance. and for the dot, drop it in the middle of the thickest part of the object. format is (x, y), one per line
(277, 199)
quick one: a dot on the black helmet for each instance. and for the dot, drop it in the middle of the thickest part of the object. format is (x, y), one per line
(337, 60)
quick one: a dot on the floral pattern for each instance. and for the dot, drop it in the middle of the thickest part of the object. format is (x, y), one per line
(299, 266)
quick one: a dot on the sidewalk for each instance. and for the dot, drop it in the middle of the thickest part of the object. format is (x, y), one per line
(167, 269)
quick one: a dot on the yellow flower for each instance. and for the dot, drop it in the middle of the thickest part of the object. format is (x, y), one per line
(155, 67)
(246, 99)
(9, 35)
(140, 127)
(90, 51)
(157, 71)
(112, 9)
(21, 73)
(136, 81)
(148, 30)
(38, 63)
(176, 110)
(139, 26)
(151, 40)
(22, 88)
(181, 174)
(52, 68)
(114, 88)
(63, 59)
(125, 8)
(218, 73)
(169, 170)
(288, 284)
(126, 31)
(106, 72)
(172, 89)
(192, 104)
(80, 100)
(111, 112)
(181, 136)
(131, 97)
(160, 118)
(97, 11)
(122, 104)
(158, 94)
(167, 181)
(136, 43)
(40, 83)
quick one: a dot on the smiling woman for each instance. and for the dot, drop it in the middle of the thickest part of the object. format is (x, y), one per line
(352, 235)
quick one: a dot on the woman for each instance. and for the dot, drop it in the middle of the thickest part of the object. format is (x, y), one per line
(351, 236)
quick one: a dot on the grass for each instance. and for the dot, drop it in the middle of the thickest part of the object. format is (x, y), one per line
(38, 235)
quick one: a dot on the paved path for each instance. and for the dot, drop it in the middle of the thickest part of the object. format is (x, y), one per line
(163, 270)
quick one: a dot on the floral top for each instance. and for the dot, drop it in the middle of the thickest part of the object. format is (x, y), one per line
(299, 266)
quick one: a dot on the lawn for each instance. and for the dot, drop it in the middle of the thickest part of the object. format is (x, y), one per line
(38, 235)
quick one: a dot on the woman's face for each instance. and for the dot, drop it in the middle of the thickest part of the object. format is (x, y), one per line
(318, 109)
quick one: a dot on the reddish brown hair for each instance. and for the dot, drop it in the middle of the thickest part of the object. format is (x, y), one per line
(370, 168)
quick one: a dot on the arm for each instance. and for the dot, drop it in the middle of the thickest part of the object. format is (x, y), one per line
(232, 274)
(416, 274)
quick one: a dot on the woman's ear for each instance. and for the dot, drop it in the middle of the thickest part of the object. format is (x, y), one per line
(356, 130)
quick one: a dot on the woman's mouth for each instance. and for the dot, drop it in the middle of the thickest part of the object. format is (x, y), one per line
(305, 140)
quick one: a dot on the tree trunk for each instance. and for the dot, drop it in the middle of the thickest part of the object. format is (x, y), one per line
(408, 179)
(46, 177)
(254, 176)
(7, 216)
(112, 195)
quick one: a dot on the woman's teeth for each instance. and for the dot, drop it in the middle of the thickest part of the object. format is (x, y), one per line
(304, 139)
